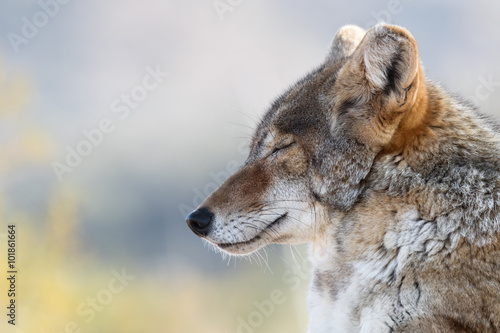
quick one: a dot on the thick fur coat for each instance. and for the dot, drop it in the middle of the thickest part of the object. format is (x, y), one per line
(393, 181)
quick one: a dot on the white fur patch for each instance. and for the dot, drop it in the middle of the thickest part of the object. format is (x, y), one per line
(357, 308)
(373, 318)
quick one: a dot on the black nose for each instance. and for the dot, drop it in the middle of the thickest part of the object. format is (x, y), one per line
(199, 221)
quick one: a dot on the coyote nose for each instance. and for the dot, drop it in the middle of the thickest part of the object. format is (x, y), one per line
(199, 221)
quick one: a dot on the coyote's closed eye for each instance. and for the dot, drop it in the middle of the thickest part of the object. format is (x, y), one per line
(393, 181)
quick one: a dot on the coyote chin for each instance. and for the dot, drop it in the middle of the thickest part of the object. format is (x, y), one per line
(394, 182)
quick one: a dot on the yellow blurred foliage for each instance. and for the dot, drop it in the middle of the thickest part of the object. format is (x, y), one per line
(23, 140)
(13, 94)
(56, 278)
(36, 144)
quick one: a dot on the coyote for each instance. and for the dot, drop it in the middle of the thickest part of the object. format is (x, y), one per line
(394, 182)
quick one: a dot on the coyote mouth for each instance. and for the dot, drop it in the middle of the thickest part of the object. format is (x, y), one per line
(256, 237)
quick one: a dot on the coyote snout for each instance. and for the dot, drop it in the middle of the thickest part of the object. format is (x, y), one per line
(267, 201)
(394, 182)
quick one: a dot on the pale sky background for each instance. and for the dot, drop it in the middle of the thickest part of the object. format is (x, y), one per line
(222, 75)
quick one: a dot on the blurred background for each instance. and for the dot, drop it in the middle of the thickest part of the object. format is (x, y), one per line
(118, 117)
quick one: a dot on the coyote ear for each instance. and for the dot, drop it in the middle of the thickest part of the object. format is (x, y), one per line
(344, 43)
(386, 60)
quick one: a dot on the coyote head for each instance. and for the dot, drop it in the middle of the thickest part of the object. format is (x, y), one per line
(313, 149)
